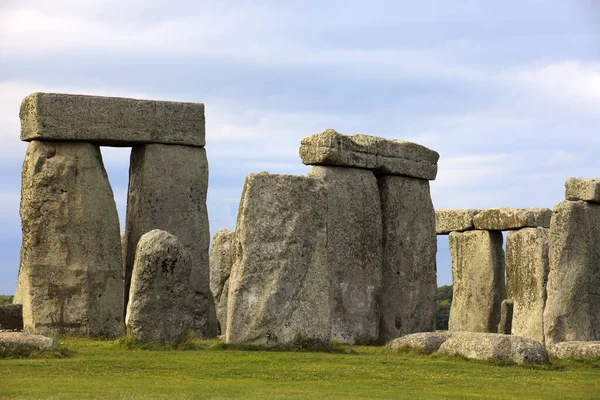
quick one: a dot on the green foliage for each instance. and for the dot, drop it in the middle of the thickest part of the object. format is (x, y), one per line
(444, 302)
(4, 299)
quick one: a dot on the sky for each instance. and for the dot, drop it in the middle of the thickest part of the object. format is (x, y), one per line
(508, 92)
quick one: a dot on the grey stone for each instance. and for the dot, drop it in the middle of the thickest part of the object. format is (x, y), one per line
(448, 220)
(167, 191)
(575, 350)
(220, 262)
(354, 251)
(11, 317)
(25, 341)
(160, 287)
(572, 310)
(495, 346)
(111, 121)
(504, 219)
(506, 317)
(408, 302)
(425, 342)
(527, 268)
(586, 189)
(392, 157)
(279, 289)
(478, 281)
(71, 276)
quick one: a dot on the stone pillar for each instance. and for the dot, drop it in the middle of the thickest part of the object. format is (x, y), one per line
(220, 262)
(506, 317)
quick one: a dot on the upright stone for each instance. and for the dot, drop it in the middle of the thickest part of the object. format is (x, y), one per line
(506, 317)
(478, 281)
(167, 191)
(526, 278)
(408, 302)
(354, 251)
(71, 276)
(572, 310)
(279, 290)
(220, 262)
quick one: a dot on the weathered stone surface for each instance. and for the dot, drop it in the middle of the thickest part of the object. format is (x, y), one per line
(425, 342)
(110, 121)
(354, 251)
(160, 288)
(494, 346)
(478, 281)
(506, 317)
(24, 341)
(71, 276)
(220, 262)
(279, 290)
(526, 278)
(586, 189)
(167, 191)
(11, 317)
(392, 157)
(409, 257)
(504, 219)
(449, 220)
(572, 310)
(575, 350)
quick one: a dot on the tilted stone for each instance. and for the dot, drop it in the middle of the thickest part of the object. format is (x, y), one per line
(279, 289)
(506, 317)
(387, 156)
(503, 219)
(575, 350)
(167, 191)
(527, 268)
(354, 251)
(25, 341)
(71, 274)
(157, 311)
(112, 121)
(425, 342)
(586, 189)
(408, 302)
(478, 281)
(449, 220)
(572, 310)
(220, 262)
(11, 317)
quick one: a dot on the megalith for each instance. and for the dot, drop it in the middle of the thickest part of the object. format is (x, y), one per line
(454, 220)
(506, 317)
(504, 219)
(220, 262)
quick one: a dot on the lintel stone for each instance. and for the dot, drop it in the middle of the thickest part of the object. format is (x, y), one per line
(449, 220)
(586, 189)
(504, 219)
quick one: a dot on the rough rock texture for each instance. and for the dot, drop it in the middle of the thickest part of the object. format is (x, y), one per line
(503, 219)
(24, 341)
(478, 281)
(220, 263)
(575, 350)
(392, 157)
(526, 278)
(449, 220)
(167, 191)
(409, 257)
(160, 287)
(71, 275)
(586, 189)
(506, 317)
(425, 342)
(11, 317)
(494, 346)
(279, 290)
(110, 121)
(354, 251)
(572, 310)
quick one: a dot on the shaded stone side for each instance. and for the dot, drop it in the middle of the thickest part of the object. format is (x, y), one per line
(354, 251)
(220, 262)
(449, 220)
(279, 290)
(503, 219)
(409, 257)
(11, 317)
(71, 275)
(478, 281)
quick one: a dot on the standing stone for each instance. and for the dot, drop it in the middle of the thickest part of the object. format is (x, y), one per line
(354, 251)
(573, 306)
(11, 317)
(71, 276)
(526, 278)
(160, 287)
(220, 262)
(167, 191)
(506, 317)
(478, 281)
(279, 291)
(408, 302)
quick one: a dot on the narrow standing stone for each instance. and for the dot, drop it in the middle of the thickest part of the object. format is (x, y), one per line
(220, 262)
(506, 317)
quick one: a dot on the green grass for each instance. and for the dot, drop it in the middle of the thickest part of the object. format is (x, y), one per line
(212, 370)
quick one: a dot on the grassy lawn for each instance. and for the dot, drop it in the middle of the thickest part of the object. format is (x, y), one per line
(105, 369)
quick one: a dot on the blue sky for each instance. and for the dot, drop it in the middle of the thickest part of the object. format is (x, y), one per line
(508, 92)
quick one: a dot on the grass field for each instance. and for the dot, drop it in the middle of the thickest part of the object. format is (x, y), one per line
(211, 370)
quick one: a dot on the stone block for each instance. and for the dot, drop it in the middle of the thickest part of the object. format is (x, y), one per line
(24, 341)
(575, 350)
(425, 342)
(506, 317)
(11, 317)
(586, 189)
(220, 262)
(449, 220)
(504, 219)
